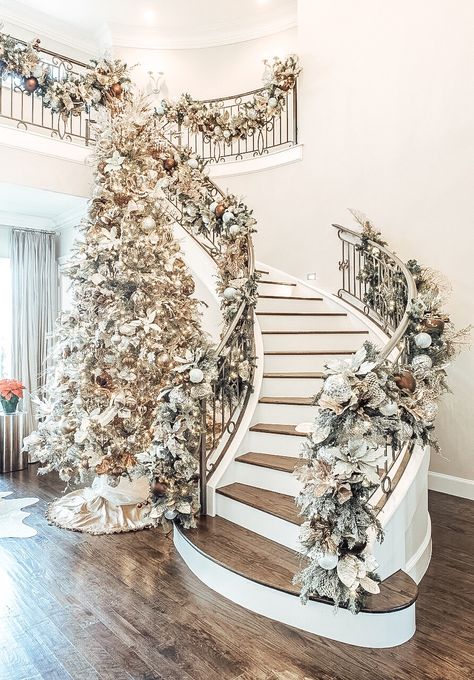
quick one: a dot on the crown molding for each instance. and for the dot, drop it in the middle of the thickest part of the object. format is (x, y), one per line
(22, 221)
(215, 36)
(70, 219)
(40, 26)
(110, 35)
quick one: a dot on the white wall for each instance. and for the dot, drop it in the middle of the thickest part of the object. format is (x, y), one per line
(209, 72)
(386, 108)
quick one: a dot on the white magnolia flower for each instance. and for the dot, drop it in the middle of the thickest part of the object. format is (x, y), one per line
(114, 162)
(352, 571)
(358, 458)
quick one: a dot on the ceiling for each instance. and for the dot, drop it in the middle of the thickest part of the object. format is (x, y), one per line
(164, 24)
(32, 208)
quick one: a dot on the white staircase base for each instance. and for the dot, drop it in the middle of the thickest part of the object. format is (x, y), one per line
(364, 629)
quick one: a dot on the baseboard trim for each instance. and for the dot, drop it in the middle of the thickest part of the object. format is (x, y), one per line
(454, 486)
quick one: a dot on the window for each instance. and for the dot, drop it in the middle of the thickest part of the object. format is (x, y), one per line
(5, 318)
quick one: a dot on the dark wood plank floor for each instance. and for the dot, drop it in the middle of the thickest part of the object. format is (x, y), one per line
(126, 606)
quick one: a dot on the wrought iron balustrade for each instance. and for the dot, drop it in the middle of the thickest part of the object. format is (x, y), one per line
(28, 111)
(223, 409)
(280, 131)
(385, 299)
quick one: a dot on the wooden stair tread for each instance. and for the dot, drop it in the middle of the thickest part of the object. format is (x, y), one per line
(276, 428)
(262, 271)
(271, 461)
(310, 352)
(335, 332)
(298, 374)
(290, 297)
(277, 504)
(273, 565)
(301, 313)
(278, 283)
(288, 401)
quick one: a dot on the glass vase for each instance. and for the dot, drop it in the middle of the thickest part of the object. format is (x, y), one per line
(9, 405)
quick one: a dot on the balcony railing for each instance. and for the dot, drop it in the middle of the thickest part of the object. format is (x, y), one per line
(280, 132)
(26, 111)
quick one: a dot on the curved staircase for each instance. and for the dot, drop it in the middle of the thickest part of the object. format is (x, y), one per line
(248, 549)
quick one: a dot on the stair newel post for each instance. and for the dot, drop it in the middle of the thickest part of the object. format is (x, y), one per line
(203, 460)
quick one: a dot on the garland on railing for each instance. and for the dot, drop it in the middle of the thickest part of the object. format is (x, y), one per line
(219, 125)
(72, 93)
(365, 404)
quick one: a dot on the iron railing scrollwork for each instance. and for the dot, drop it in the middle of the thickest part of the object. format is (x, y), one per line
(28, 111)
(280, 131)
(223, 410)
(387, 304)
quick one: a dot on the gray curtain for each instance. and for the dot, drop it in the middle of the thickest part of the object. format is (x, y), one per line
(35, 305)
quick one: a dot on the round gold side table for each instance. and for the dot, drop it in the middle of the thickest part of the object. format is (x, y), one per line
(11, 441)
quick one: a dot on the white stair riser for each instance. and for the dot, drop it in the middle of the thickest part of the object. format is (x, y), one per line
(273, 322)
(301, 342)
(272, 289)
(266, 478)
(284, 413)
(286, 363)
(291, 387)
(279, 444)
(288, 304)
(366, 630)
(274, 528)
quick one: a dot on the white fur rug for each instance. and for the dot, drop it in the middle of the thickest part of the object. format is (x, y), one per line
(12, 516)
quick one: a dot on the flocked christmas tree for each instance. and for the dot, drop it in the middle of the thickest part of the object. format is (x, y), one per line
(132, 316)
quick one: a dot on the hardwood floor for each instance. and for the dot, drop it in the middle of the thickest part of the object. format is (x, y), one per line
(127, 607)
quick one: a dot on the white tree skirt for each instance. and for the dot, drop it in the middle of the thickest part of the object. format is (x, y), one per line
(12, 516)
(103, 509)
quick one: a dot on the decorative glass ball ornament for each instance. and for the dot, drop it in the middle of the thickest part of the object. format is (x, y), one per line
(160, 109)
(389, 409)
(252, 114)
(230, 293)
(405, 381)
(30, 84)
(422, 362)
(169, 164)
(272, 102)
(423, 340)
(170, 514)
(433, 325)
(193, 163)
(148, 223)
(430, 410)
(213, 206)
(234, 229)
(337, 388)
(220, 209)
(115, 90)
(227, 216)
(196, 375)
(227, 134)
(328, 561)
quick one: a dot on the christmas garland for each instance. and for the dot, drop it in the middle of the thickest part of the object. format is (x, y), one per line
(366, 403)
(218, 125)
(71, 94)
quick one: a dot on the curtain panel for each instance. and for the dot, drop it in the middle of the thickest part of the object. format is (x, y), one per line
(35, 307)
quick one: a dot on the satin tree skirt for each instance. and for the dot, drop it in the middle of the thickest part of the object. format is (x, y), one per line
(104, 509)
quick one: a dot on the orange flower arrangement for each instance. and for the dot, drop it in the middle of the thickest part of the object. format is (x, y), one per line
(11, 391)
(11, 388)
